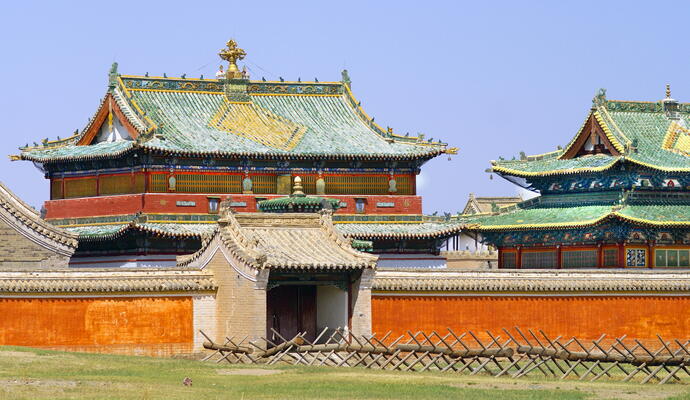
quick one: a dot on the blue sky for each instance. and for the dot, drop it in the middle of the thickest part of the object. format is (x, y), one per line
(492, 78)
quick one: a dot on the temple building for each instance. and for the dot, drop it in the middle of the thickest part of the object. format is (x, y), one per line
(617, 196)
(142, 182)
(249, 208)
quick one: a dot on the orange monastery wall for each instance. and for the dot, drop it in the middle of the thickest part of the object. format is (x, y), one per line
(585, 317)
(159, 326)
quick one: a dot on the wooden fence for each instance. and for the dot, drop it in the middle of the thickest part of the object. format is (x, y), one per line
(514, 353)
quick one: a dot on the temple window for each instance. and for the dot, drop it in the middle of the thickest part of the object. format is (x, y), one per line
(360, 204)
(671, 258)
(213, 203)
(636, 258)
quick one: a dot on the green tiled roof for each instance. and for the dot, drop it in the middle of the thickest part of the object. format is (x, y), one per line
(547, 217)
(277, 120)
(110, 231)
(97, 231)
(72, 152)
(366, 231)
(548, 166)
(678, 214)
(542, 215)
(297, 204)
(641, 131)
(362, 245)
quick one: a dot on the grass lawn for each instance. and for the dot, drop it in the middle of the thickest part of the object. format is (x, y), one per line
(40, 374)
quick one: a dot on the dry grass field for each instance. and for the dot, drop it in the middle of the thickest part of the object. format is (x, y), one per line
(40, 374)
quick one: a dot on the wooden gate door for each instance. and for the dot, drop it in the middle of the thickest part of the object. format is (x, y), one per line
(291, 310)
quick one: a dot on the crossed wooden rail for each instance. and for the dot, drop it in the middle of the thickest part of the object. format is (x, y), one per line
(515, 356)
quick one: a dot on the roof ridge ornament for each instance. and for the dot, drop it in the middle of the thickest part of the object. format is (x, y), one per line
(346, 79)
(599, 99)
(234, 80)
(112, 76)
(297, 188)
(670, 105)
(231, 53)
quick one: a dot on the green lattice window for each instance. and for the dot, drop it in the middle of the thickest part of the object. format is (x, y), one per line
(539, 259)
(672, 258)
(580, 259)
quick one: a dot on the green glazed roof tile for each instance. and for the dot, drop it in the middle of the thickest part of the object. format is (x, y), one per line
(96, 230)
(657, 214)
(297, 204)
(543, 214)
(269, 125)
(550, 217)
(640, 129)
(110, 231)
(71, 151)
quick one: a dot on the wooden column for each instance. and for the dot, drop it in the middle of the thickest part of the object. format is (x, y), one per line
(98, 185)
(621, 255)
(650, 253)
(559, 259)
(600, 256)
(518, 258)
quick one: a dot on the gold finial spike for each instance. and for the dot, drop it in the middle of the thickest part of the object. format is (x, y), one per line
(231, 53)
(297, 189)
(668, 91)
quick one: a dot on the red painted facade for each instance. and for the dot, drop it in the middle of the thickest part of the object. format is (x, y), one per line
(179, 203)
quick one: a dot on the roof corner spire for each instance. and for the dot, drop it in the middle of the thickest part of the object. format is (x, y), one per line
(231, 53)
(668, 91)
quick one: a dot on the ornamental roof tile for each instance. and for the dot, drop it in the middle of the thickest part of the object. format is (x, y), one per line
(105, 281)
(275, 120)
(644, 133)
(533, 281)
(301, 241)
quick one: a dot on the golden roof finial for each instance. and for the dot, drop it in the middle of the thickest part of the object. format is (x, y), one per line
(668, 91)
(231, 53)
